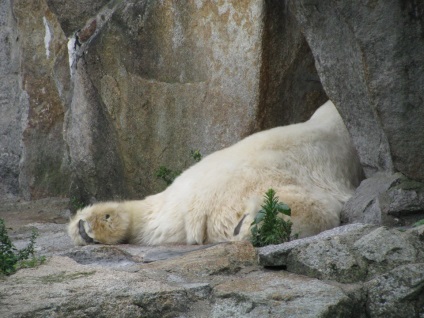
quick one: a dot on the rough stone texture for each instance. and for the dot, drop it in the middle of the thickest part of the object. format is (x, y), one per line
(221, 280)
(348, 254)
(143, 83)
(280, 294)
(10, 110)
(386, 199)
(289, 87)
(328, 255)
(175, 76)
(73, 15)
(95, 161)
(397, 294)
(368, 56)
(45, 81)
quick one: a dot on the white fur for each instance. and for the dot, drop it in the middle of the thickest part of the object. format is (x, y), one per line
(312, 166)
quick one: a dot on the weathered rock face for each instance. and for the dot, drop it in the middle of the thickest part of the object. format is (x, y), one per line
(151, 81)
(45, 90)
(72, 16)
(383, 269)
(369, 60)
(176, 76)
(368, 56)
(391, 200)
(11, 112)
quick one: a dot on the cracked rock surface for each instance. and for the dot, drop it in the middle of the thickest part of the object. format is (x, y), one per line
(352, 271)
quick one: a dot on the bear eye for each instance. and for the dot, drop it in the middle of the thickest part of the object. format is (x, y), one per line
(107, 216)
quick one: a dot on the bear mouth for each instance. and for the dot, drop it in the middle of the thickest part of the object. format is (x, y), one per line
(83, 233)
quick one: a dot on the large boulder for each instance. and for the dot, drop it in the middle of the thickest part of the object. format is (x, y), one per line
(170, 77)
(44, 88)
(387, 199)
(353, 271)
(99, 94)
(381, 269)
(11, 109)
(73, 15)
(368, 56)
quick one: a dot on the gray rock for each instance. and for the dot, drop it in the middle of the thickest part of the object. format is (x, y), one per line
(73, 15)
(364, 205)
(280, 295)
(404, 200)
(95, 162)
(212, 281)
(154, 81)
(107, 256)
(385, 249)
(368, 56)
(398, 293)
(277, 255)
(160, 254)
(62, 288)
(45, 94)
(184, 76)
(11, 113)
(386, 199)
(328, 255)
(357, 253)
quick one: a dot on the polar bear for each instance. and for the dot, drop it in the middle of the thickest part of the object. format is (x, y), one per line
(312, 167)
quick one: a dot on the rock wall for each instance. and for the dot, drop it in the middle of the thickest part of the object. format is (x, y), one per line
(10, 104)
(369, 58)
(107, 91)
(370, 63)
(99, 94)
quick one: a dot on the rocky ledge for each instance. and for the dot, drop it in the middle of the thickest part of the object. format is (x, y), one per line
(356, 270)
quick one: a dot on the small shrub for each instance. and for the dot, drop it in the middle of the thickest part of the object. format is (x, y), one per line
(12, 259)
(268, 227)
(418, 223)
(76, 204)
(196, 155)
(169, 175)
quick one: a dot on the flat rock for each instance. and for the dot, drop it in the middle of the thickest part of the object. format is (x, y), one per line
(352, 271)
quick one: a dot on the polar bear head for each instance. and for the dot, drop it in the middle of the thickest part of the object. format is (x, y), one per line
(104, 223)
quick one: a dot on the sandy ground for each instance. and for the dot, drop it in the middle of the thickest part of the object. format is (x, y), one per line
(19, 213)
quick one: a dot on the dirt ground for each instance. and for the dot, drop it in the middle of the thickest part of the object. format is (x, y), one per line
(18, 213)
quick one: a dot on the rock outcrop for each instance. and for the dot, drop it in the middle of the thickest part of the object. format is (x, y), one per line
(381, 269)
(368, 57)
(352, 271)
(369, 61)
(107, 91)
(11, 104)
(97, 94)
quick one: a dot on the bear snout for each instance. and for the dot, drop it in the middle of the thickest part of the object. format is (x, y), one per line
(83, 233)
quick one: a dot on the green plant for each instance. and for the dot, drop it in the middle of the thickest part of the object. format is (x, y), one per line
(196, 155)
(268, 227)
(12, 259)
(418, 223)
(169, 175)
(76, 204)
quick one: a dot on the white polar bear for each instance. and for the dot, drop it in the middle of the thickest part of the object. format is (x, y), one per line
(312, 166)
